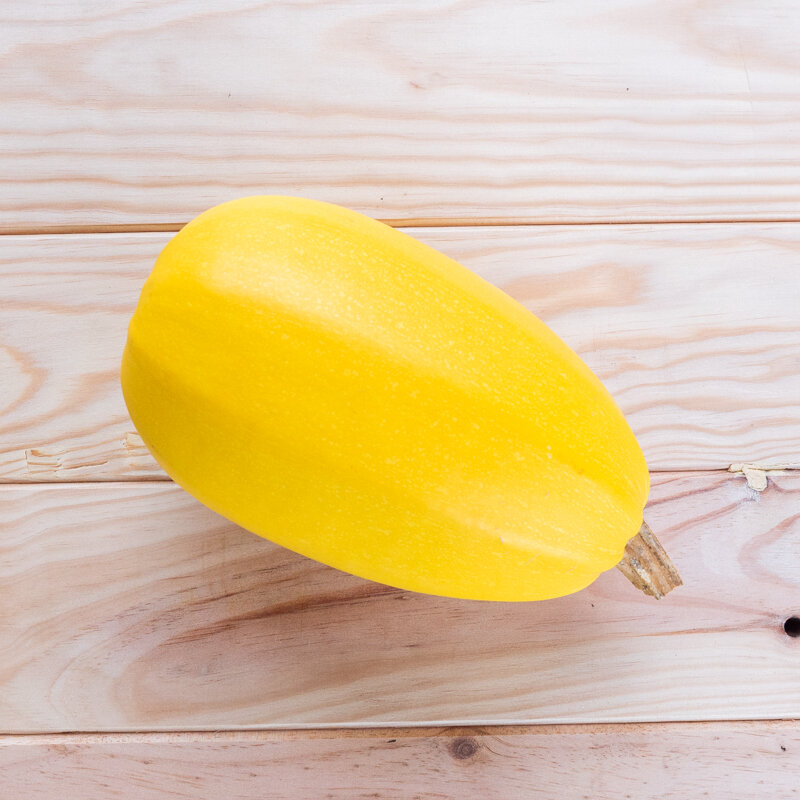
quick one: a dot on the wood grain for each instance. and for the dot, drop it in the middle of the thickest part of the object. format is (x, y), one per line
(132, 607)
(149, 112)
(733, 760)
(694, 329)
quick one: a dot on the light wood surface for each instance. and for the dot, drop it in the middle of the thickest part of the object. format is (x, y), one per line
(132, 607)
(482, 127)
(724, 761)
(147, 113)
(694, 329)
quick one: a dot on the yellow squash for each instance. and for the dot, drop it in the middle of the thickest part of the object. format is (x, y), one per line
(348, 392)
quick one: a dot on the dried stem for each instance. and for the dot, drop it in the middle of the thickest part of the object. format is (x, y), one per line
(647, 566)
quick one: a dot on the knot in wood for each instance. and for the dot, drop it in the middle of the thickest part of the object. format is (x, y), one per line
(464, 747)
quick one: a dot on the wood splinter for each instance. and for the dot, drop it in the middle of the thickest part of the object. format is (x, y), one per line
(647, 566)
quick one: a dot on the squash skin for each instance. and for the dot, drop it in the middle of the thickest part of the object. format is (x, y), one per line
(344, 390)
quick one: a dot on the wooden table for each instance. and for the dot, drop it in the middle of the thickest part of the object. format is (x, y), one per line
(630, 171)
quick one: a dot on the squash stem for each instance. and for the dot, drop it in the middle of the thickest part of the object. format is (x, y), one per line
(647, 566)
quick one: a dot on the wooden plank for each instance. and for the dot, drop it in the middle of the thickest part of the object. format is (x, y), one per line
(736, 760)
(148, 113)
(132, 607)
(694, 329)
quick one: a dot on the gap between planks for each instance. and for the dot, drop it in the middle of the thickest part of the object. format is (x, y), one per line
(383, 731)
(410, 222)
(160, 481)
